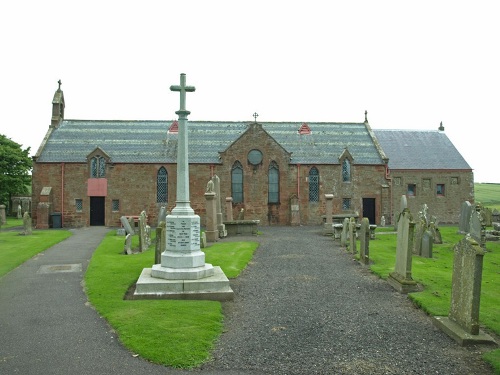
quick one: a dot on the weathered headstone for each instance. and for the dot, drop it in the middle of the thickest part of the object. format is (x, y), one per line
(162, 214)
(229, 208)
(487, 216)
(382, 221)
(3, 218)
(183, 272)
(328, 224)
(211, 229)
(345, 233)
(465, 212)
(294, 210)
(476, 226)
(401, 278)
(126, 224)
(495, 215)
(364, 242)
(462, 323)
(19, 211)
(418, 233)
(27, 224)
(241, 214)
(352, 236)
(160, 241)
(337, 231)
(127, 247)
(427, 243)
(143, 242)
(436, 233)
(203, 240)
(218, 206)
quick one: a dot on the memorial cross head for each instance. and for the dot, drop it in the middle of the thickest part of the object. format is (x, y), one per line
(255, 115)
(182, 88)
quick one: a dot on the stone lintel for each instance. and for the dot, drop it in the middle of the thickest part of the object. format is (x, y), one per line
(215, 287)
(460, 335)
(401, 284)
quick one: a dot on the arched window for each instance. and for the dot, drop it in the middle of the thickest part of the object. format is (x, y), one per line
(313, 185)
(346, 170)
(97, 167)
(274, 183)
(237, 182)
(162, 186)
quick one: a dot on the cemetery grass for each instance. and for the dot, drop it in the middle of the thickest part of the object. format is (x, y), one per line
(12, 222)
(488, 195)
(17, 249)
(169, 332)
(435, 275)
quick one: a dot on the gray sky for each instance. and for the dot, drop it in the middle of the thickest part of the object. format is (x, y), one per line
(411, 65)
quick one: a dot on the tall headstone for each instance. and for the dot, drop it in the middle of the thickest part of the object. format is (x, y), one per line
(465, 212)
(127, 246)
(183, 272)
(328, 225)
(27, 224)
(477, 228)
(294, 211)
(19, 211)
(345, 232)
(229, 208)
(162, 214)
(218, 206)
(427, 244)
(352, 236)
(401, 278)
(143, 236)
(364, 242)
(211, 227)
(160, 241)
(3, 218)
(126, 224)
(462, 323)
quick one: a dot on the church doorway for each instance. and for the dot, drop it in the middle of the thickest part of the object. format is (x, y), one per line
(369, 209)
(97, 211)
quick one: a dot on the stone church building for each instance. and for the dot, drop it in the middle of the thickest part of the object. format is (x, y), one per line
(92, 172)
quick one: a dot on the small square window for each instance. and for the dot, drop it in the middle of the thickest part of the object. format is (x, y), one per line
(412, 190)
(397, 181)
(115, 205)
(78, 205)
(440, 189)
(346, 204)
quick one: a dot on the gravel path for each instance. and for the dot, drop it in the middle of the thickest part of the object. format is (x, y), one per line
(303, 306)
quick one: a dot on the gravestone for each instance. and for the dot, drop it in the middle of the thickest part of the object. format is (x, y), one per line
(127, 247)
(220, 222)
(229, 208)
(160, 241)
(352, 236)
(345, 232)
(203, 240)
(143, 232)
(418, 234)
(465, 212)
(241, 214)
(436, 233)
(382, 221)
(364, 242)
(495, 215)
(477, 228)
(126, 225)
(487, 216)
(401, 278)
(211, 227)
(3, 218)
(28, 230)
(337, 231)
(294, 211)
(427, 243)
(19, 211)
(162, 214)
(462, 322)
(328, 225)
(183, 273)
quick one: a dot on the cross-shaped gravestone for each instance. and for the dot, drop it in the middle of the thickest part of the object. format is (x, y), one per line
(182, 88)
(255, 115)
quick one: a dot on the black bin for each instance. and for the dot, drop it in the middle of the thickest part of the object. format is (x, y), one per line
(56, 220)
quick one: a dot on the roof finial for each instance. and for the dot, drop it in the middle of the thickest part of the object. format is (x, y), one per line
(366, 116)
(255, 115)
(59, 88)
(441, 127)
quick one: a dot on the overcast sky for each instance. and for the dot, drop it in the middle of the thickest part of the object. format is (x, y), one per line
(411, 65)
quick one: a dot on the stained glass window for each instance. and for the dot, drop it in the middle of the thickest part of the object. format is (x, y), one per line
(97, 167)
(314, 185)
(162, 186)
(237, 182)
(346, 170)
(274, 183)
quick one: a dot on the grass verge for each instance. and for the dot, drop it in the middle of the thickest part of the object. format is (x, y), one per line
(168, 332)
(17, 249)
(435, 275)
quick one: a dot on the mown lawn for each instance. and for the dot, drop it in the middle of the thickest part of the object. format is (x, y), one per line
(169, 332)
(488, 195)
(435, 275)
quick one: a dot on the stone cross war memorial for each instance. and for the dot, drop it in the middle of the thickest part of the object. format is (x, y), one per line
(183, 273)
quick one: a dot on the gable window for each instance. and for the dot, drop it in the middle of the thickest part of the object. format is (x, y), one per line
(346, 170)
(440, 190)
(237, 182)
(274, 183)
(313, 185)
(97, 167)
(161, 186)
(412, 190)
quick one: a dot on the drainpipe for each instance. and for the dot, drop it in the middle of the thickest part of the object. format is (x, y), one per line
(387, 173)
(212, 170)
(62, 193)
(298, 181)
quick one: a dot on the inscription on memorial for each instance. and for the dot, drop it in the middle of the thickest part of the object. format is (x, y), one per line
(182, 233)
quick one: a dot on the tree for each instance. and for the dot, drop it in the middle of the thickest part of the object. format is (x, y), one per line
(15, 167)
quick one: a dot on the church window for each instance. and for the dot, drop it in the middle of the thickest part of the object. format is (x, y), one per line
(237, 182)
(274, 183)
(346, 170)
(255, 157)
(161, 186)
(78, 205)
(313, 185)
(412, 190)
(115, 205)
(97, 167)
(440, 189)
(346, 204)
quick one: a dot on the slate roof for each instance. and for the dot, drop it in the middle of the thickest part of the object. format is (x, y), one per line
(150, 142)
(417, 149)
